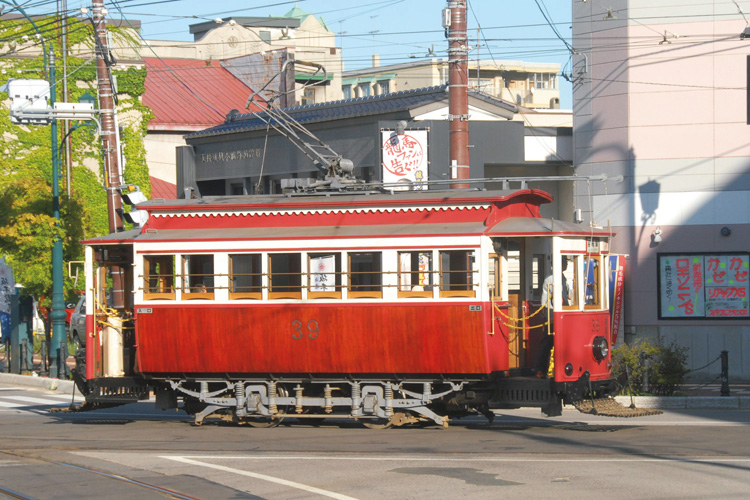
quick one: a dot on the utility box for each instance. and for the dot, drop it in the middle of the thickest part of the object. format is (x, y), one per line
(29, 101)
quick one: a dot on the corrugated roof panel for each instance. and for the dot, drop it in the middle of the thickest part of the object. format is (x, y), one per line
(185, 94)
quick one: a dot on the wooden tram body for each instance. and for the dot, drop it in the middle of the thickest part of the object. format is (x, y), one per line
(389, 308)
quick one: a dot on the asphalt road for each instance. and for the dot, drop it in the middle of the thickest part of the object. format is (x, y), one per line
(138, 452)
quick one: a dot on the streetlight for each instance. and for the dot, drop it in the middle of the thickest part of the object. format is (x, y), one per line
(58, 303)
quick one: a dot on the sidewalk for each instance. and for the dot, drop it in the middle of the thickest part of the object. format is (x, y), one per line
(690, 396)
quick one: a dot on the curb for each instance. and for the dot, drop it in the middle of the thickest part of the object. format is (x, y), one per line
(688, 403)
(51, 384)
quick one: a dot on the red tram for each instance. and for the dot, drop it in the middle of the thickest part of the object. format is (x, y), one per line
(386, 308)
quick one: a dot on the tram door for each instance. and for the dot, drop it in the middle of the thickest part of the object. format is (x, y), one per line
(516, 273)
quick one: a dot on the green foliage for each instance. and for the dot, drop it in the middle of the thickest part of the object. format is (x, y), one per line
(27, 225)
(664, 365)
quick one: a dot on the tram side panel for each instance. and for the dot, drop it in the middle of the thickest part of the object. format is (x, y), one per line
(419, 338)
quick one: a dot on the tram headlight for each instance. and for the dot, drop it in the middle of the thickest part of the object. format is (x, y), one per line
(601, 348)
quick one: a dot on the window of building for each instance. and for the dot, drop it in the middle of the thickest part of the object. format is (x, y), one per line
(197, 276)
(285, 276)
(384, 87)
(415, 274)
(324, 275)
(347, 91)
(456, 273)
(365, 275)
(364, 90)
(158, 277)
(245, 276)
(308, 96)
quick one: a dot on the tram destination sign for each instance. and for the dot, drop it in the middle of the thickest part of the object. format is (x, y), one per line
(704, 286)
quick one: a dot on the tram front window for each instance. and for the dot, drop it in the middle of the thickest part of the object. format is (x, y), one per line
(591, 272)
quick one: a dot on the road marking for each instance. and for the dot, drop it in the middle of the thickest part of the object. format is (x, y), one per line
(12, 389)
(262, 477)
(6, 404)
(38, 401)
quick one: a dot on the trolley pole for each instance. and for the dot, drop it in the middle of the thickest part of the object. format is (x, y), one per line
(454, 20)
(110, 146)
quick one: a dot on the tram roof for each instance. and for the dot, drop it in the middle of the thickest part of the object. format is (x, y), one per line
(323, 200)
(530, 226)
(511, 227)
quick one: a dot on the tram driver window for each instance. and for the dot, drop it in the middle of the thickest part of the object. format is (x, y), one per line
(365, 275)
(285, 276)
(245, 276)
(456, 274)
(325, 275)
(415, 274)
(197, 276)
(158, 277)
(571, 276)
(591, 272)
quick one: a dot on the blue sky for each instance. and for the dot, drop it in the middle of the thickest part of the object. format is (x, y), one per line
(397, 30)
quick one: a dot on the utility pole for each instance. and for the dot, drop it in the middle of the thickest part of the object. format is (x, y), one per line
(110, 146)
(57, 342)
(454, 21)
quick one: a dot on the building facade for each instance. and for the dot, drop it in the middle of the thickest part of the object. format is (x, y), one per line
(532, 85)
(660, 99)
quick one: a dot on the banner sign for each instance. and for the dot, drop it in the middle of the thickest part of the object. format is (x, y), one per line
(616, 292)
(323, 273)
(708, 286)
(7, 290)
(405, 159)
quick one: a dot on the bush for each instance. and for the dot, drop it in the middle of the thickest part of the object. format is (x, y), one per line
(665, 366)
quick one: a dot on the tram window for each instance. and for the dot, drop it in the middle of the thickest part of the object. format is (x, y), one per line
(456, 275)
(246, 276)
(158, 277)
(285, 276)
(197, 276)
(415, 274)
(593, 290)
(325, 275)
(365, 275)
(537, 275)
(571, 275)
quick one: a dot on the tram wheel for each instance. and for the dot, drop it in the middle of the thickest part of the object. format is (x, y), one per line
(378, 424)
(263, 423)
(268, 422)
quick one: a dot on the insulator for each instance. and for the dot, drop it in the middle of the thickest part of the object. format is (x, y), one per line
(298, 398)
(272, 398)
(388, 400)
(327, 396)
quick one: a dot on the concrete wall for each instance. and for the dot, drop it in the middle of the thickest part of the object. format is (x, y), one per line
(660, 98)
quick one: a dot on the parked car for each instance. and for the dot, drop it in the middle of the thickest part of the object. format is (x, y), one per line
(69, 308)
(77, 328)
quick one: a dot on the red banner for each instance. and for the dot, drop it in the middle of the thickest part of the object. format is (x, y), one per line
(616, 292)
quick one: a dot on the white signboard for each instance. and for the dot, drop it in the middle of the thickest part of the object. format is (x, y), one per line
(405, 159)
(323, 271)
